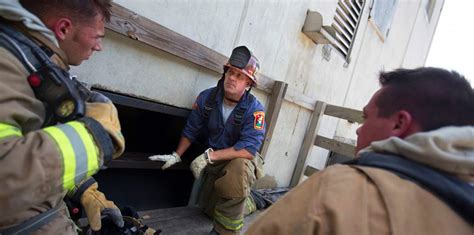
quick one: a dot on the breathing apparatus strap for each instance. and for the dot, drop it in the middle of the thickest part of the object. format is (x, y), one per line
(34, 223)
(239, 111)
(62, 96)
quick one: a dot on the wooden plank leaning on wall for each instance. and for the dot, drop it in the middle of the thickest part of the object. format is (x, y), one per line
(273, 110)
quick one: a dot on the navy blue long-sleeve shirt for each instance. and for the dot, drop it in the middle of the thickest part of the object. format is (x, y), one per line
(221, 135)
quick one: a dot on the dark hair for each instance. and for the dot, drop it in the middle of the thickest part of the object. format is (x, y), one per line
(77, 10)
(434, 97)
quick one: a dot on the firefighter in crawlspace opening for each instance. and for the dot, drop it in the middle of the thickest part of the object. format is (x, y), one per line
(232, 122)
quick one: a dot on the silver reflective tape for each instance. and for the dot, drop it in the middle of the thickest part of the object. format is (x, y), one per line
(79, 152)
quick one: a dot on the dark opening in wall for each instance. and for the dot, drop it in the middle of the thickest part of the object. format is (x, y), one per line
(149, 128)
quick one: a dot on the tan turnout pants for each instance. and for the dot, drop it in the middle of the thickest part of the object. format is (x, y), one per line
(225, 193)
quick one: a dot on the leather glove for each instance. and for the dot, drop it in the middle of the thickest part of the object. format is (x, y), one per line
(198, 164)
(106, 114)
(96, 97)
(95, 204)
(170, 159)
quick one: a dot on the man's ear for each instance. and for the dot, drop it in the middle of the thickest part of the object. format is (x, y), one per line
(249, 83)
(404, 125)
(61, 28)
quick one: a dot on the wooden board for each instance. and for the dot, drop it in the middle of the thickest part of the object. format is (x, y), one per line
(184, 220)
(335, 146)
(351, 115)
(144, 30)
(273, 110)
(308, 142)
(309, 170)
(144, 104)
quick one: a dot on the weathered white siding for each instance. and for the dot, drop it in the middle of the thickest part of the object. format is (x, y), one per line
(272, 30)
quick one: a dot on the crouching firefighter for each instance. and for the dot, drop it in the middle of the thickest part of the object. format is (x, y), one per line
(232, 122)
(54, 134)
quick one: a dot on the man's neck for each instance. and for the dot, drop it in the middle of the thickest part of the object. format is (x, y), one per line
(230, 101)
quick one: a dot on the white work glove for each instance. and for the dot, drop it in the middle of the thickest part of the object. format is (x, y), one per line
(170, 159)
(198, 164)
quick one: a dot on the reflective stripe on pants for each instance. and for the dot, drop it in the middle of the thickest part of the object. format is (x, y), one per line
(228, 223)
(225, 189)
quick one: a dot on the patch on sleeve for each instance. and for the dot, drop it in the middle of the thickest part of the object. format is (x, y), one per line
(195, 105)
(259, 120)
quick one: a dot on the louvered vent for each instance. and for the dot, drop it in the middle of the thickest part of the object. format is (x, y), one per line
(346, 21)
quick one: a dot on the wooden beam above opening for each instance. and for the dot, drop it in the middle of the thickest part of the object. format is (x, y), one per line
(134, 26)
(142, 29)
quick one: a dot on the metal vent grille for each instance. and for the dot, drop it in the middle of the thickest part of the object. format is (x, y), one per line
(346, 21)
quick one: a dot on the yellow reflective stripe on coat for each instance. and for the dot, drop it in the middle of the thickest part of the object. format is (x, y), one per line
(91, 149)
(9, 130)
(228, 223)
(78, 151)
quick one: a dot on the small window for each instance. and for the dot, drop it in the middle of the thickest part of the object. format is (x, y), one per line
(346, 22)
(429, 8)
(381, 14)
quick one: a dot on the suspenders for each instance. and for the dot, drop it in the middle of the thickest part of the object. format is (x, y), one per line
(239, 111)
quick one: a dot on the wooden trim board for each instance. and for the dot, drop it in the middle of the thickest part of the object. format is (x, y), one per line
(144, 30)
(273, 110)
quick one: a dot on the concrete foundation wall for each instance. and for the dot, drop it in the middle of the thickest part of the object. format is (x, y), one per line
(272, 30)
